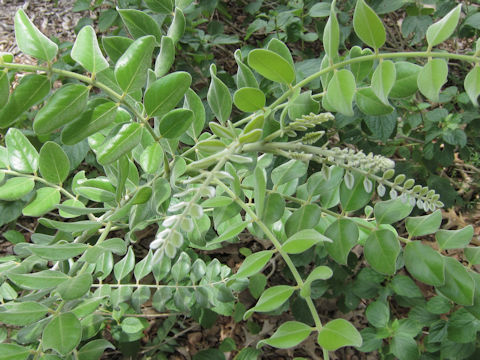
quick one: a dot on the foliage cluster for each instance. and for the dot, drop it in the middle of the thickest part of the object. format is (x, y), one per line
(107, 143)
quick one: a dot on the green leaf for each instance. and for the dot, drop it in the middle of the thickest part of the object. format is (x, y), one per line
(115, 46)
(432, 77)
(165, 93)
(383, 79)
(58, 251)
(271, 66)
(340, 91)
(40, 280)
(271, 299)
(259, 190)
(218, 97)
(274, 208)
(76, 287)
(424, 263)
(31, 41)
(459, 285)
(132, 325)
(301, 105)
(221, 131)
(14, 352)
(442, 29)
(177, 27)
(30, 90)
(454, 239)
(124, 266)
(279, 47)
(91, 121)
(390, 211)
(405, 286)
(63, 107)
(288, 335)
(404, 347)
(303, 240)
(45, 200)
(368, 26)
(472, 84)
(62, 334)
(319, 273)
(140, 24)
(94, 349)
(252, 136)
(125, 140)
(194, 103)
(165, 57)
(344, 234)
(472, 254)
(152, 158)
(406, 80)
(22, 313)
(16, 188)
(249, 99)
(378, 314)
(254, 263)
(22, 156)
(144, 267)
(4, 88)
(53, 163)
(245, 77)
(424, 225)
(319, 10)
(71, 226)
(381, 251)
(338, 333)
(360, 69)
(175, 123)
(160, 6)
(354, 198)
(131, 67)
(288, 171)
(331, 32)
(86, 51)
(370, 104)
(306, 217)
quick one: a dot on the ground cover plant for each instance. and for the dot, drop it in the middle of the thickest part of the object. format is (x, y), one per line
(137, 181)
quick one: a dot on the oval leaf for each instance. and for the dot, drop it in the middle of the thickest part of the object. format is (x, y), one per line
(22, 156)
(383, 79)
(254, 263)
(368, 26)
(424, 263)
(218, 97)
(86, 51)
(165, 57)
(341, 90)
(459, 285)
(175, 123)
(249, 99)
(303, 240)
(344, 234)
(62, 334)
(454, 239)
(53, 163)
(271, 66)
(45, 200)
(15, 188)
(442, 29)
(338, 333)
(424, 225)
(472, 84)
(22, 313)
(432, 77)
(288, 335)
(140, 24)
(381, 251)
(125, 140)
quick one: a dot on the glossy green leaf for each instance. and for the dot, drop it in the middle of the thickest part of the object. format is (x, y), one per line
(271, 66)
(40, 280)
(177, 27)
(76, 287)
(4, 88)
(454, 239)
(459, 285)
(341, 91)
(131, 67)
(139, 24)
(360, 69)
(62, 334)
(383, 79)
(381, 251)
(22, 156)
(115, 46)
(442, 29)
(30, 90)
(175, 123)
(338, 333)
(14, 352)
(289, 334)
(125, 140)
(63, 107)
(22, 313)
(160, 6)
(94, 119)
(368, 26)
(271, 299)
(254, 263)
(306, 217)
(424, 263)
(31, 41)
(59, 251)
(245, 77)
(94, 349)
(344, 234)
(124, 266)
(472, 84)
(15, 188)
(406, 79)
(99, 190)
(424, 225)
(331, 33)
(370, 104)
(44, 201)
(432, 77)
(165, 93)
(165, 57)
(303, 240)
(249, 99)
(219, 97)
(53, 163)
(152, 158)
(390, 211)
(86, 51)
